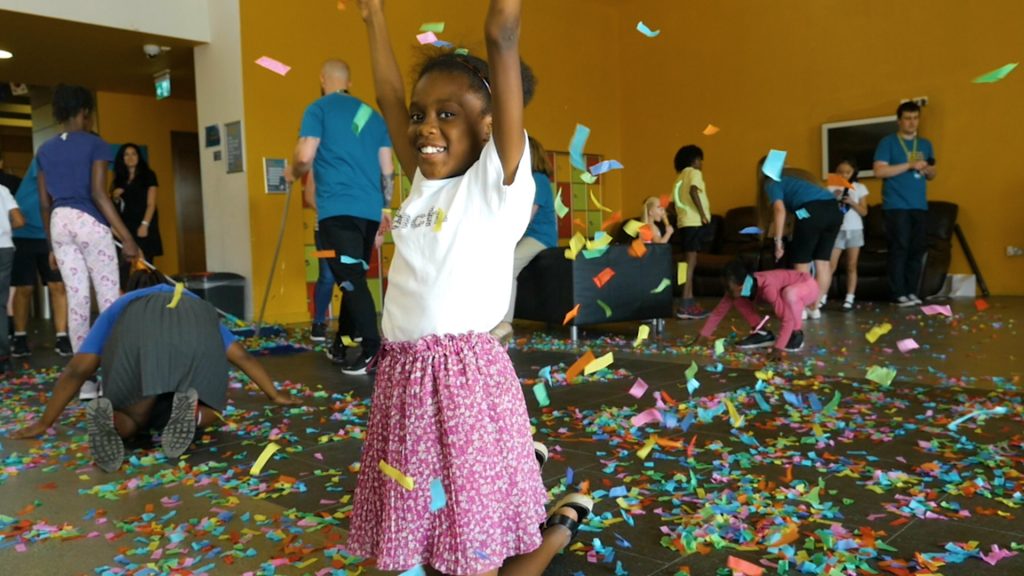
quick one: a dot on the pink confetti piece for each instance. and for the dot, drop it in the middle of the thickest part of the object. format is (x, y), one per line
(933, 309)
(273, 65)
(638, 389)
(646, 417)
(997, 555)
(426, 38)
(20, 547)
(906, 345)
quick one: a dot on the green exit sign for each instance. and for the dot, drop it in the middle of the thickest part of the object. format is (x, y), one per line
(162, 82)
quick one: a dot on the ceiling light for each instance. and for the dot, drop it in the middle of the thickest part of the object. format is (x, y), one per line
(4, 55)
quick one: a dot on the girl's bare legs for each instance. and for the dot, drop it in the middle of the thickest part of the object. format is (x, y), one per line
(823, 274)
(836, 253)
(130, 420)
(852, 255)
(691, 264)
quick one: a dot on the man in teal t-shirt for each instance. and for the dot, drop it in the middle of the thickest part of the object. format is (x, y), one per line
(905, 162)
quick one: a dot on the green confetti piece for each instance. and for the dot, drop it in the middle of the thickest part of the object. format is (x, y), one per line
(995, 75)
(560, 208)
(831, 406)
(665, 283)
(587, 177)
(362, 117)
(435, 27)
(462, 51)
(719, 346)
(691, 371)
(541, 392)
(607, 309)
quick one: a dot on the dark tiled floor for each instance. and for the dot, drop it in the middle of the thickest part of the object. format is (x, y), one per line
(879, 477)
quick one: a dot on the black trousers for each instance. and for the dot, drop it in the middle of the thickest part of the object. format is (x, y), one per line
(907, 232)
(353, 238)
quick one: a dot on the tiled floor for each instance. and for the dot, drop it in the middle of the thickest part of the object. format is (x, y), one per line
(850, 473)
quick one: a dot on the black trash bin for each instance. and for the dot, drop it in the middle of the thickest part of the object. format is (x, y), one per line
(224, 290)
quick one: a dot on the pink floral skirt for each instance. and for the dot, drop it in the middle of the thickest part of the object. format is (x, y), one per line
(448, 408)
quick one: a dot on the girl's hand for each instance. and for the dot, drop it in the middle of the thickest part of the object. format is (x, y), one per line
(33, 430)
(143, 231)
(366, 7)
(849, 200)
(130, 249)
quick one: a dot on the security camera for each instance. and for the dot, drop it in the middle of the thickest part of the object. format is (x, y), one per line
(152, 50)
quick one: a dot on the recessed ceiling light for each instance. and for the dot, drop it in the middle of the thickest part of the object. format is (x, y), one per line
(4, 55)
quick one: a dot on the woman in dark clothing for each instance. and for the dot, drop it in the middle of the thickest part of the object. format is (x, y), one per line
(134, 190)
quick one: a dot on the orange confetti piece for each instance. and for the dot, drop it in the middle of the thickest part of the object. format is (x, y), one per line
(637, 249)
(665, 200)
(743, 567)
(981, 304)
(646, 234)
(617, 217)
(837, 180)
(341, 4)
(603, 277)
(711, 130)
(48, 486)
(324, 254)
(577, 368)
(571, 314)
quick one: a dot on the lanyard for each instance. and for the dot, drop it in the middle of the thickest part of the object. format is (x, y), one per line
(911, 154)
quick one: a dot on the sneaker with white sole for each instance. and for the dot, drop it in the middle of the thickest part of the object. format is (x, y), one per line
(360, 365)
(63, 346)
(904, 302)
(90, 390)
(803, 314)
(180, 430)
(19, 346)
(914, 300)
(104, 442)
(318, 333)
(848, 303)
(796, 341)
(814, 313)
(759, 339)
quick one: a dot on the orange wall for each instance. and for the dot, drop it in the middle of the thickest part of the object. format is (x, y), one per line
(770, 73)
(583, 88)
(147, 121)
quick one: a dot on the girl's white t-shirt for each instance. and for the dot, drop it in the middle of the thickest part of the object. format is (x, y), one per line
(7, 204)
(852, 220)
(454, 245)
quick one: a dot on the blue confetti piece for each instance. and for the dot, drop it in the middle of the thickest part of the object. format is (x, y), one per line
(717, 368)
(687, 422)
(576, 146)
(748, 286)
(622, 542)
(692, 385)
(438, 499)
(568, 476)
(773, 164)
(606, 166)
(646, 31)
(803, 214)
(751, 230)
(617, 492)
(815, 402)
(416, 571)
(351, 260)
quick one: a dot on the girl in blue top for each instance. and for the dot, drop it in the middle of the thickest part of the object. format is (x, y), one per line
(814, 232)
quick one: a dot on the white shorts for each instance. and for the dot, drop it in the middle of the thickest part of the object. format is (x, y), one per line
(849, 239)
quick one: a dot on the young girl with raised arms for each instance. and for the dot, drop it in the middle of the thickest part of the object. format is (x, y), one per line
(449, 480)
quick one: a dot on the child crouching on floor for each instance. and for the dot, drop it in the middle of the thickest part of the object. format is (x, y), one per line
(787, 291)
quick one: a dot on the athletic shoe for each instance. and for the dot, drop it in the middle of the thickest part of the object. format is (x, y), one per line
(19, 346)
(759, 339)
(336, 353)
(914, 300)
(848, 303)
(90, 390)
(796, 341)
(181, 426)
(803, 314)
(814, 313)
(63, 346)
(104, 441)
(360, 366)
(319, 332)
(540, 451)
(694, 312)
(904, 302)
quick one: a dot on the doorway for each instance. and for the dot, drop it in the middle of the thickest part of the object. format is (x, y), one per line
(188, 192)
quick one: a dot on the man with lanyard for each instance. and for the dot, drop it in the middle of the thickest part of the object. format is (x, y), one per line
(346, 144)
(905, 162)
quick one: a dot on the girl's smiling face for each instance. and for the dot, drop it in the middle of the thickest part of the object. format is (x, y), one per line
(448, 124)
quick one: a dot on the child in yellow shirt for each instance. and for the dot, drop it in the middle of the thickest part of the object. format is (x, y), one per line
(693, 212)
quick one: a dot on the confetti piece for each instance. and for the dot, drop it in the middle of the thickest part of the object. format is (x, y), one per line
(607, 309)
(600, 240)
(681, 270)
(750, 230)
(692, 385)
(981, 304)
(415, 571)
(426, 38)
(598, 204)
(711, 130)
(435, 27)
(878, 331)
(933, 309)
(571, 314)
(179, 288)
(838, 181)
(976, 414)
(719, 346)
(734, 417)
(761, 323)
(643, 29)
(642, 333)
(747, 289)
(264, 457)
(605, 167)
(576, 243)
(906, 345)
(665, 283)
(773, 164)
(599, 364)
(576, 146)
(880, 375)
(273, 65)
(648, 416)
(632, 227)
(577, 368)
(341, 4)
(396, 475)
(648, 446)
(638, 388)
(440, 220)
(438, 499)
(995, 75)
(324, 254)
(692, 370)
(350, 260)
(560, 208)
(363, 115)
(803, 214)
(637, 248)
(603, 277)
(540, 391)
(348, 342)
(738, 565)
(587, 178)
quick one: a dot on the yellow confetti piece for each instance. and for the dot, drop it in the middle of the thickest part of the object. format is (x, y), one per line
(598, 364)
(734, 416)
(642, 334)
(229, 423)
(178, 289)
(764, 375)
(440, 220)
(681, 274)
(817, 430)
(648, 446)
(257, 466)
(598, 204)
(396, 475)
(598, 243)
(307, 562)
(576, 244)
(878, 331)
(632, 227)
(348, 342)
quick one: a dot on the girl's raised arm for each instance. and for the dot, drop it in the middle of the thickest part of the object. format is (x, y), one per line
(387, 81)
(502, 33)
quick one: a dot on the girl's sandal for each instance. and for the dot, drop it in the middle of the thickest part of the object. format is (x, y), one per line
(582, 504)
